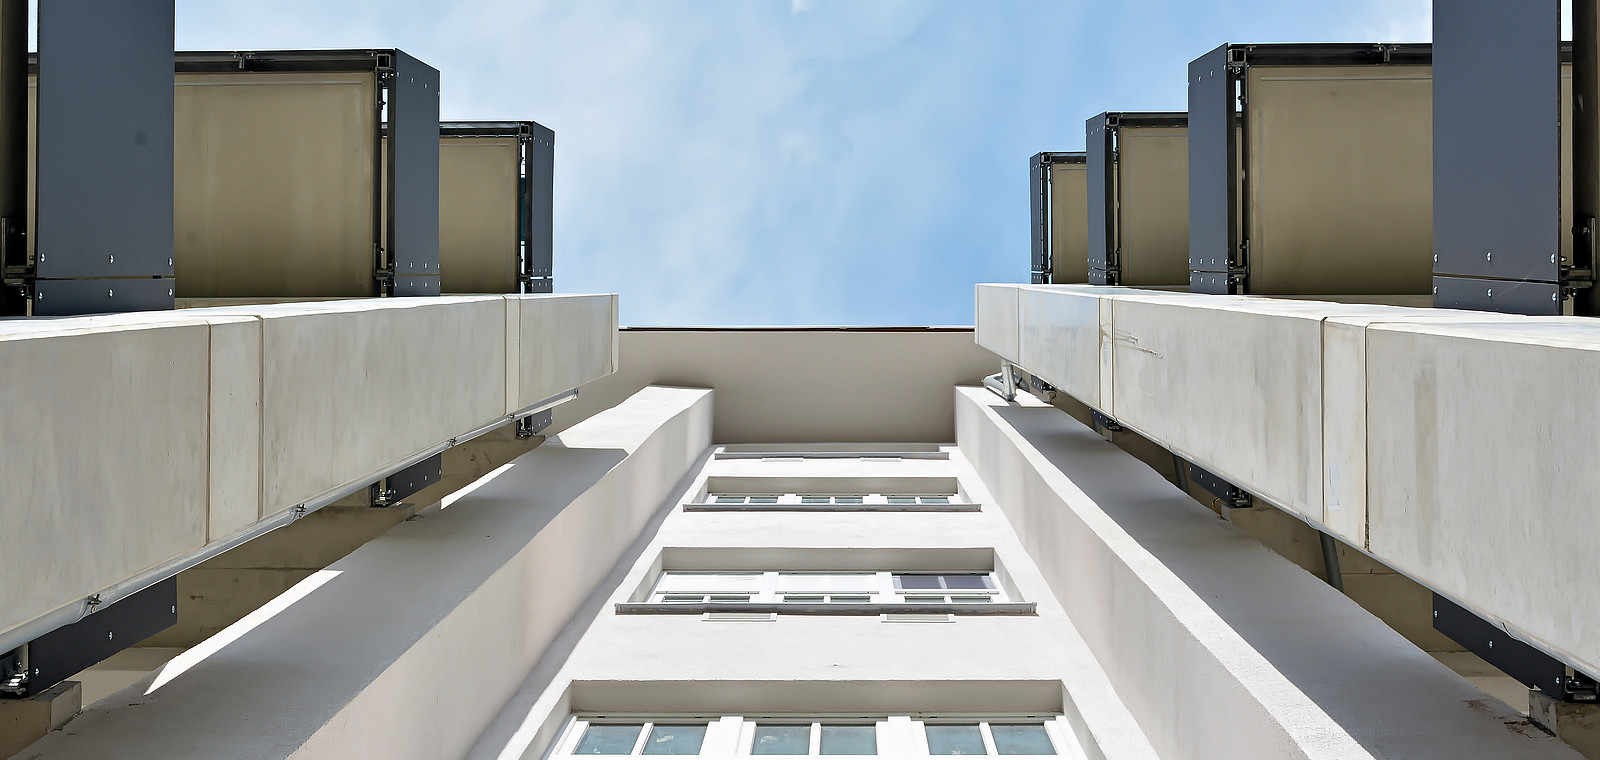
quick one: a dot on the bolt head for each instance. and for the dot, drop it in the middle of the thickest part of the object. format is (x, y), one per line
(109, 635)
(1488, 256)
(111, 293)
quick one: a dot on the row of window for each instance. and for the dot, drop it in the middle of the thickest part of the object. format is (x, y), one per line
(865, 737)
(863, 587)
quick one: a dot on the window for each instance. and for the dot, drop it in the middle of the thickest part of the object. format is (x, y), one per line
(987, 738)
(737, 736)
(640, 738)
(842, 501)
(862, 587)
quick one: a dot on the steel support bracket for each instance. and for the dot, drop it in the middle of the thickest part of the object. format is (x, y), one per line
(1532, 667)
(1214, 484)
(1104, 422)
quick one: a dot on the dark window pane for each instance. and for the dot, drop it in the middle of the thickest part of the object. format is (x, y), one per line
(608, 739)
(782, 740)
(816, 500)
(966, 581)
(730, 499)
(955, 739)
(849, 740)
(847, 499)
(763, 500)
(916, 581)
(902, 499)
(675, 740)
(1021, 739)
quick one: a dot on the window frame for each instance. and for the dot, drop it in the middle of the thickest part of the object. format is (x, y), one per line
(807, 501)
(895, 734)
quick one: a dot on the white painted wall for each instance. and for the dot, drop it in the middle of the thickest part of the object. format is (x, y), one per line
(802, 384)
(407, 647)
(837, 663)
(1219, 647)
(133, 440)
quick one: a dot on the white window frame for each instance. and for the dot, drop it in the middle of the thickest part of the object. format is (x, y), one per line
(884, 589)
(732, 737)
(809, 500)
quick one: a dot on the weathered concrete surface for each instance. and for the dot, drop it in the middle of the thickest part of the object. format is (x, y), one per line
(407, 647)
(1217, 646)
(1404, 432)
(134, 440)
(23, 721)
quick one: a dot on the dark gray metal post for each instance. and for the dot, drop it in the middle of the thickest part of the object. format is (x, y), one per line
(413, 176)
(1212, 186)
(539, 155)
(1585, 151)
(1100, 154)
(13, 156)
(104, 200)
(1497, 155)
(1039, 211)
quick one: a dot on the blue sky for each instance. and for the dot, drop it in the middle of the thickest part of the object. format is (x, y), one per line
(797, 161)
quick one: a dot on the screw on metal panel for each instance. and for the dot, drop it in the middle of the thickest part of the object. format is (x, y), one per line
(1552, 258)
(175, 609)
(1436, 290)
(1436, 258)
(1491, 643)
(1436, 613)
(1489, 292)
(169, 291)
(1489, 256)
(111, 259)
(111, 293)
(1552, 296)
(109, 635)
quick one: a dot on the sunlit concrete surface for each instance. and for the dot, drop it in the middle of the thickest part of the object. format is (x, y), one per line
(1405, 432)
(410, 645)
(1219, 647)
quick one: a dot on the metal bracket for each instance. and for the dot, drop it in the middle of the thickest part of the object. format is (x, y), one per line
(1234, 496)
(1040, 387)
(1104, 422)
(13, 674)
(1532, 667)
(529, 426)
(391, 490)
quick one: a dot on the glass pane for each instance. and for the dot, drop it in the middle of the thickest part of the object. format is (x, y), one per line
(971, 599)
(1021, 739)
(953, 739)
(675, 740)
(728, 598)
(966, 581)
(919, 599)
(730, 499)
(828, 582)
(902, 499)
(782, 740)
(683, 598)
(935, 500)
(916, 581)
(849, 599)
(847, 499)
(816, 500)
(608, 739)
(804, 598)
(849, 740)
(716, 583)
(763, 500)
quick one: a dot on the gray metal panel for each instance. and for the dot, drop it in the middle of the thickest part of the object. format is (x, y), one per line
(1215, 283)
(57, 655)
(1504, 296)
(417, 285)
(1099, 276)
(541, 159)
(1039, 211)
(60, 298)
(414, 171)
(415, 478)
(541, 285)
(1497, 138)
(1102, 222)
(105, 138)
(1212, 158)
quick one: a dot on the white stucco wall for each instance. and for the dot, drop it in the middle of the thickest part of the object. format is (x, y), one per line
(831, 663)
(1219, 647)
(408, 646)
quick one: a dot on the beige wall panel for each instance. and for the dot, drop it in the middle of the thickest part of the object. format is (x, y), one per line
(1340, 161)
(478, 235)
(273, 186)
(352, 387)
(1153, 172)
(1069, 222)
(102, 464)
(566, 341)
(235, 425)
